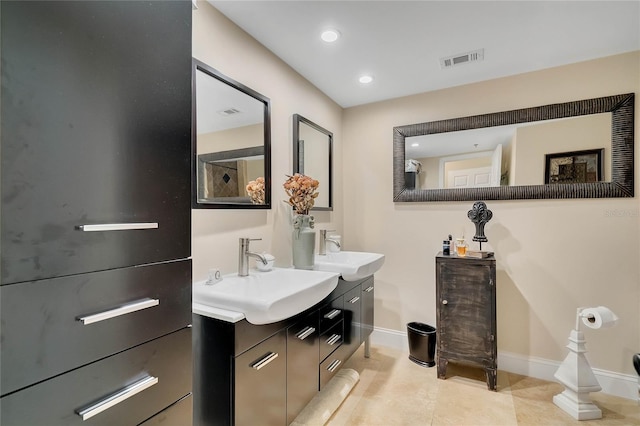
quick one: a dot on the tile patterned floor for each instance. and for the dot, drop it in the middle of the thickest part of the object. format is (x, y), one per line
(395, 391)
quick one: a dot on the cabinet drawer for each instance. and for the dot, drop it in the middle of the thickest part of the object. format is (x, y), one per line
(59, 400)
(329, 367)
(331, 339)
(180, 413)
(43, 334)
(331, 314)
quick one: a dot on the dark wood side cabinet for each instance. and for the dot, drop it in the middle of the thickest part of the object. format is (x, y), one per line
(95, 269)
(466, 314)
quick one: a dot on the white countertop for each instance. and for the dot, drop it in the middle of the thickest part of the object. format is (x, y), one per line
(217, 313)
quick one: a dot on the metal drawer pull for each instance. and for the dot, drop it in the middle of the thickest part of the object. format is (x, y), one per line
(332, 314)
(265, 360)
(116, 398)
(355, 299)
(118, 226)
(444, 302)
(333, 339)
(122, 310)
(306, 332)
(368, 289)
(332, 367)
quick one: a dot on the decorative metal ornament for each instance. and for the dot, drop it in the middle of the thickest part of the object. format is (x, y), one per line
(480, 215)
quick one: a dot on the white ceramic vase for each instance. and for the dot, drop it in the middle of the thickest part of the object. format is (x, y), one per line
(303, 242)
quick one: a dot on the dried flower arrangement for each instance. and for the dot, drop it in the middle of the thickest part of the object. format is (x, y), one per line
(302, 193)
(255, 189)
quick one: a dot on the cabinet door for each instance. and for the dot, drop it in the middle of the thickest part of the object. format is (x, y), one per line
(352, 321)
(302, 364)
(96, 124)
(466, 311)
(260, 383)
(367, 307)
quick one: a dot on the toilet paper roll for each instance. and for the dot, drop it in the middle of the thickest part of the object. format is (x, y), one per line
(598, 317)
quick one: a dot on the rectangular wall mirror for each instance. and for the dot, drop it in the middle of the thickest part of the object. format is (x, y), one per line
(231, 142)
(312, 156)
(580, 149)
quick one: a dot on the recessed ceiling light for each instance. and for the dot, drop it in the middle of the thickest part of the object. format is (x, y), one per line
(415, 145)
(365, 79)
(330, 35)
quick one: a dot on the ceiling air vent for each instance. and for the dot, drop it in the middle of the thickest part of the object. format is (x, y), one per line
(229, 111)
(462, 58)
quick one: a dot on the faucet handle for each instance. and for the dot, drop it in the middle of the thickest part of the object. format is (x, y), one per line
(244, 243)
(246, 240)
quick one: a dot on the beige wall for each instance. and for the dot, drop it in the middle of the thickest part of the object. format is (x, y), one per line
(227, 140)
(552, 255)
(222, 45)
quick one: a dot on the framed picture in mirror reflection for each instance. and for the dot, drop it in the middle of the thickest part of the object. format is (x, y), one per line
(574, 167)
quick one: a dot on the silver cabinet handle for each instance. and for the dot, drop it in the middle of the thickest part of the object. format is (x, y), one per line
(116, 398)
(369, 289)
(306, 332)
(333, 339)
(121, 310)
(445, 302)
(118, 226)
(332, 314)
(265, 360)
(355, 299)
(332, 367)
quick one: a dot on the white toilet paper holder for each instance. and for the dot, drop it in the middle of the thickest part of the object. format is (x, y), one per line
(575, 372)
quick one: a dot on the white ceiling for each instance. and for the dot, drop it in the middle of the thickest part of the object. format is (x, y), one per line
(401, 42)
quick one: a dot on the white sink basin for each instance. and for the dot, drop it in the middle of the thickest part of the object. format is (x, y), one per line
(352, 265)
(267, 297)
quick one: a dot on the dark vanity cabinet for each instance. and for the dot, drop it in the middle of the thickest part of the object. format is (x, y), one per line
(95, 218)
(466, 314)
(266, 374)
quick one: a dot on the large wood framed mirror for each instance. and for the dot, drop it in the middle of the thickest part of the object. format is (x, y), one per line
(312, 156)
(579, 149)
(231, 142)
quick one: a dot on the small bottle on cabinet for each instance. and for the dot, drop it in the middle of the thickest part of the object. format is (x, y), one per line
(446, 248)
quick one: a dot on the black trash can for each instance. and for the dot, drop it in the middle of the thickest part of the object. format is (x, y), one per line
(422, 343)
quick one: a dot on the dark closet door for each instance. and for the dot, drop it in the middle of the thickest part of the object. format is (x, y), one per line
(96, 112)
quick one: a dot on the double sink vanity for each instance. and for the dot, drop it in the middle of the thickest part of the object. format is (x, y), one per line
(265, 344)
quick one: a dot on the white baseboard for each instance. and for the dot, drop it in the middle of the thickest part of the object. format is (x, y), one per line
(612, 383)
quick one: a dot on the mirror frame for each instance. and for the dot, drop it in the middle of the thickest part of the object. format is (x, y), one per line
(622, 152)
(201, 66)
(297, 119)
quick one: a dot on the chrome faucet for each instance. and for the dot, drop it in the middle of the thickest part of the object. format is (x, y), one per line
(322, 244)
(244, 254)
